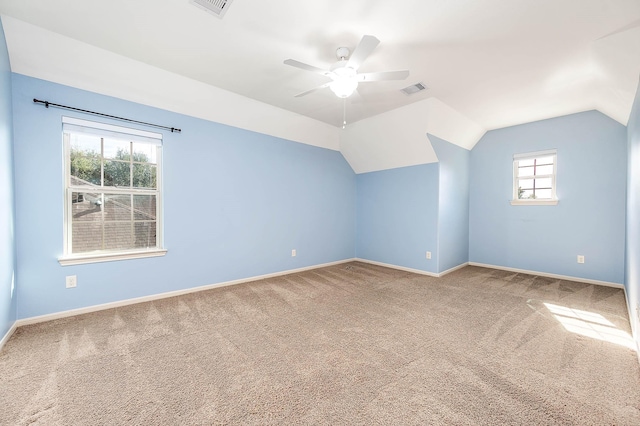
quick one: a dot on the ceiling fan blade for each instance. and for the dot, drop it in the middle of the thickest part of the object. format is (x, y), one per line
(383, 75)
(305, 67)
(362, 52)
(312, 90)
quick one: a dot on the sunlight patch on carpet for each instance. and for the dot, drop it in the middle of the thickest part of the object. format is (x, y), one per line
(590, 324)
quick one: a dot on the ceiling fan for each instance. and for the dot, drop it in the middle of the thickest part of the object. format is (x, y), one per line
(344, 73)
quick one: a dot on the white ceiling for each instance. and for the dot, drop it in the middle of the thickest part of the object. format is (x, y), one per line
(495, 62)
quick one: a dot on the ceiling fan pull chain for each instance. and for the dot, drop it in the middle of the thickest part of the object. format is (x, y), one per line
(344, 112)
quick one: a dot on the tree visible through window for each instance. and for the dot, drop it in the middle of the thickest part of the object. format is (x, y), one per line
(113, 190)
(534, 176)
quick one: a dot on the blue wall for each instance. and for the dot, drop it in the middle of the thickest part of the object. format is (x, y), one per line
(405, 212)
(8, 294)
(453, 205)
(398, 216)
(632, 276)
(235, 204)
(590, 217)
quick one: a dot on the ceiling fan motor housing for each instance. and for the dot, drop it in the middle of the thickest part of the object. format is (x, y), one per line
(340, 64)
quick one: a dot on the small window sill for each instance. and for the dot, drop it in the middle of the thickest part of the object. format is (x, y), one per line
(534, 202)
(81, 259)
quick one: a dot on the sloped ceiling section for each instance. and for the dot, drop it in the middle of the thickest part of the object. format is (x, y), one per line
(393, 139)
(46, 55)
(488, 64)
(499, 63)
(618, 59)
(398, 138)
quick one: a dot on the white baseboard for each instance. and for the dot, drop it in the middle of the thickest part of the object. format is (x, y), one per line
(400, 268)
(455, 268)
(635, 333)
(545, 274)
(120, 303)
(415, 271)
(8, 335)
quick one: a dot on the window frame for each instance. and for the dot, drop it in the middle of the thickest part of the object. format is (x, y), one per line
(104, 130)
(515, 201)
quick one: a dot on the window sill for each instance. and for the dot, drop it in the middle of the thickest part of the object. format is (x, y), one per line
(81, 259)
(534, 202)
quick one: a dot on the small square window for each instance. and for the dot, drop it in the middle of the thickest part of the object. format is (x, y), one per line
(534, 178)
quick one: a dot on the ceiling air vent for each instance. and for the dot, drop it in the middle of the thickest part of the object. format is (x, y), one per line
(215, 7)
(414, 88)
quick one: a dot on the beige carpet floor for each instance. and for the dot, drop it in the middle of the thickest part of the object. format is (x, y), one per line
(347, 344)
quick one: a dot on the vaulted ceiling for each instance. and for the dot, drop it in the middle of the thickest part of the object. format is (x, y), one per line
(493, 62)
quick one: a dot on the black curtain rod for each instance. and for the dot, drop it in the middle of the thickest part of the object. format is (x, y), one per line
(48, 104)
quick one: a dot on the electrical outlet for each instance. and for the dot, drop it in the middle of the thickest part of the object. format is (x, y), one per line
(580, 258)
(72, 281)
(428, 255)
(293, 253)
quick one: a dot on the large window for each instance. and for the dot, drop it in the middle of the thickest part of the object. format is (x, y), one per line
(112, 192)
(534, 178)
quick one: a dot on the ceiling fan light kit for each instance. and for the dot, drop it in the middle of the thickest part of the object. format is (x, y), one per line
(344, 73)
(345, 82)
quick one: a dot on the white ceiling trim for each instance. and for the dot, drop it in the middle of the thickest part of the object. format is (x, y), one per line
(39, 53)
